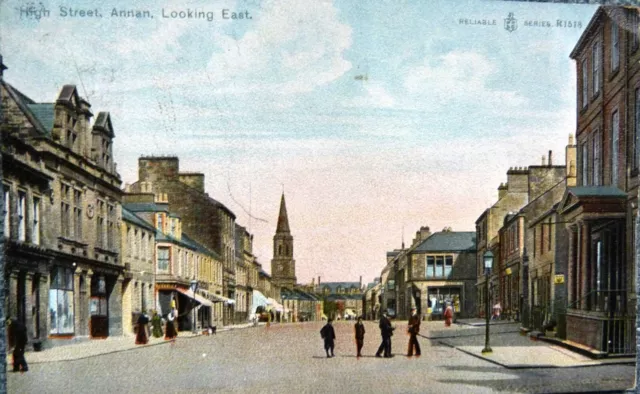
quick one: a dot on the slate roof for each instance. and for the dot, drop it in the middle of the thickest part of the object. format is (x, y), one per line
(23, 103)
(333, 286)
(103, 121)
(146, 207)
(295, 294)
(449, 241)
(335, 297)
(135, 219)
(45, 114)
(200, 248)
(596, 191)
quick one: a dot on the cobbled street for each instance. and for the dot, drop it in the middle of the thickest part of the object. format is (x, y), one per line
(290, 358)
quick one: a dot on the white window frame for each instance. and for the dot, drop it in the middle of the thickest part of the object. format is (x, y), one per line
(585, 84)
(615, 47)
(596, 68)
(22, 216)
(35, 222)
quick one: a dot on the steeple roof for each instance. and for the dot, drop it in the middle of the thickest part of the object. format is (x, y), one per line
(283, 220)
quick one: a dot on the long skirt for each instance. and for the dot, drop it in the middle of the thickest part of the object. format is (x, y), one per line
(170, 331)
(141, 336)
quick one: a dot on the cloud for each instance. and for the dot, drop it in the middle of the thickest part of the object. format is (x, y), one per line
(460, 76)
(293, 47)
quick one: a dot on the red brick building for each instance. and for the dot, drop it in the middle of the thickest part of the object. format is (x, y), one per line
(600, 211)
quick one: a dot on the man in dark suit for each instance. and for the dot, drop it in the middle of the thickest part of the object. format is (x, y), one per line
(18, 338)
(414, 329)
(359, 328)
(329, 335)
(386, 331)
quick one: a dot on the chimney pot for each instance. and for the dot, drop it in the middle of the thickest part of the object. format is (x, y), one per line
(550, 157)
(544, 160)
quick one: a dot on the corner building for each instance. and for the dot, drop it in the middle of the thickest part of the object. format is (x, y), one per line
(62, 208)
(601, 209)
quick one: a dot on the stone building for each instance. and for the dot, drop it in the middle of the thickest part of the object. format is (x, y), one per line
(180, 260)
(541, 232)
(511, 197)
(208, 221)
(441, 268)
(346, 295)
(602, 208)
(283, 266)
(244, 268)
(138, 240)
(64, 276)
(371, 300)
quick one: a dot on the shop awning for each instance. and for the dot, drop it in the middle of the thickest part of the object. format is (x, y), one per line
(218, 298)
(196, 297)
(275, 305)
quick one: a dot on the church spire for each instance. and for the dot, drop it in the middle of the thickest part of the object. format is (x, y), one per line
(283, 220)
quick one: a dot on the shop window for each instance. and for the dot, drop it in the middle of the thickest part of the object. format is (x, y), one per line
(61, 312)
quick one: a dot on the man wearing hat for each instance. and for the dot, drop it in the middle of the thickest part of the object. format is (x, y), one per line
(386, 331)
(414, 329)
(329, 335)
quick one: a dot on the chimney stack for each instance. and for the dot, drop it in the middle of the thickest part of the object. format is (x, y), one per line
(360, 281)
(318, 280)
(550, 163)
(544, 160)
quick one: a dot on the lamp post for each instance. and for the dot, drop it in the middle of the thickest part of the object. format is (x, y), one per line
(194, 287)
(488, 263)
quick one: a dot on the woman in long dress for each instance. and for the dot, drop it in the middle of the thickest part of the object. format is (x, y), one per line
(170, 332)
(141, 337)
(448, 315)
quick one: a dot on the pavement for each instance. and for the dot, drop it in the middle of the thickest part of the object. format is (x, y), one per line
(86, 348)
(513, 350)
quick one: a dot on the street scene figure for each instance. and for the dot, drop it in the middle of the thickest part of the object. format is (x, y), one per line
(448, 315)
(359, 328)
(386, 331)
(329, 335)
(496, 311)
(142, 336)
(170, 332)
(414, 329)
(18, 338)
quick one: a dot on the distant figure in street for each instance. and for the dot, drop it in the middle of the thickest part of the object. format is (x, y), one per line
(170, 332)
(414, 329)
(18, 338)
(359, 336)
(496, 311)
(386, 331)
(329, 335)
(142, 336)
(448, 315)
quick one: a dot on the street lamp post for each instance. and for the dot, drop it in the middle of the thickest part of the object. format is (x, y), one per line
(194, 287)
(488, 263)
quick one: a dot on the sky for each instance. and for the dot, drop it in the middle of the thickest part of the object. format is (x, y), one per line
(374, 119)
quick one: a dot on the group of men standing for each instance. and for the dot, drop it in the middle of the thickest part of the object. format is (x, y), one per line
(386, 331)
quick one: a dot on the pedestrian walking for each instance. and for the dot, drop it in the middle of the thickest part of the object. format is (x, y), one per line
(386, 331)
(329, 335)
(170, 332)
(414, 329)
(142, 336)
(448, 315)
(18, 338)
(496, 311)
(359, 328)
